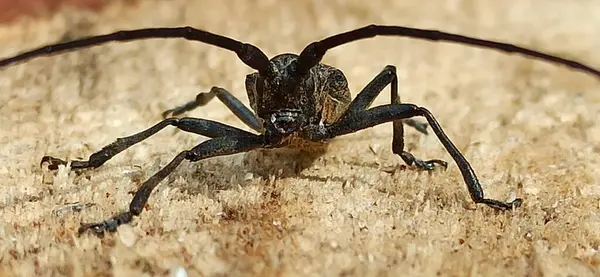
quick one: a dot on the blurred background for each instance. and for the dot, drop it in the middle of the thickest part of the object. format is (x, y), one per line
(11, 10)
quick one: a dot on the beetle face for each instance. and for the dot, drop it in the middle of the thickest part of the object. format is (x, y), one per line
(285, 102)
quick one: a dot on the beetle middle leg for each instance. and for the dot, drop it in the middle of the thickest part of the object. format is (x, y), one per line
(207, 128)
(234, 104)
(366, 97)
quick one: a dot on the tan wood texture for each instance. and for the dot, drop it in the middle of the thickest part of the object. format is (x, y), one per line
(529, 129)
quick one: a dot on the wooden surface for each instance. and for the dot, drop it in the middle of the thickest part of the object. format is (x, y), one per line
(519, 122)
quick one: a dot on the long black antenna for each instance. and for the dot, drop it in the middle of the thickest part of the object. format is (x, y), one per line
(314, 52)
(309, 57)
(248, 53)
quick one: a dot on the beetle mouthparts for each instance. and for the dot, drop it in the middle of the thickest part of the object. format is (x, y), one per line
(287, 121)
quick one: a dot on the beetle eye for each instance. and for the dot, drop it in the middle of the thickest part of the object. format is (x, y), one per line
(293, 66)
(337, 79)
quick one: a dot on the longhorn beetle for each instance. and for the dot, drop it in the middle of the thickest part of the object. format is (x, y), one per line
(296, 101)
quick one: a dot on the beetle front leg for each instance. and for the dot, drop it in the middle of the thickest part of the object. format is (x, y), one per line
(386, 113)
(211, 148)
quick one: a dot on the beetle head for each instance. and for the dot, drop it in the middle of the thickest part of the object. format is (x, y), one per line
(285, 101)
(288, 101)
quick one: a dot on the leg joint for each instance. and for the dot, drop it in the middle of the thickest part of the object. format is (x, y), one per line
(390, 68)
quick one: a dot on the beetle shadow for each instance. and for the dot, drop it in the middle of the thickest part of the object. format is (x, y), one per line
(225, 173)
(229, 172)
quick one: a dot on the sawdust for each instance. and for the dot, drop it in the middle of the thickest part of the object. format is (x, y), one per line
(520, 123)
